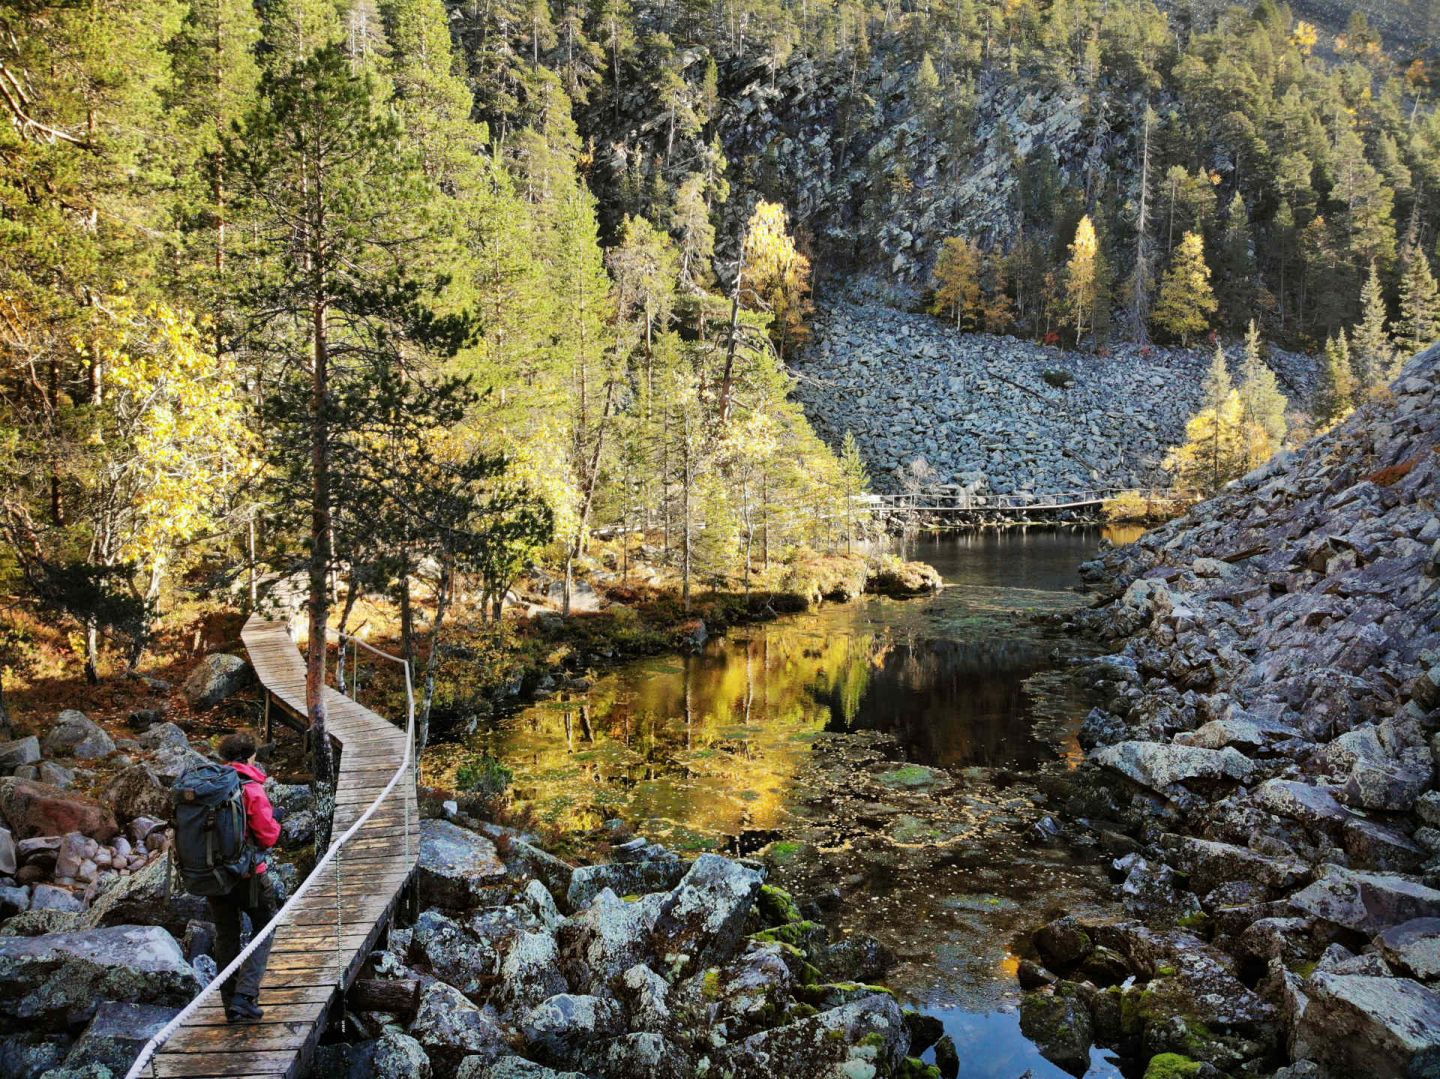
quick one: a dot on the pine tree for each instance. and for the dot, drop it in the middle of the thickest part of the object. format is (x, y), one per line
(1419, 323)
(1186, 301)
(855, 481)
(1335, 388)
(317, 159)
(1370, 350)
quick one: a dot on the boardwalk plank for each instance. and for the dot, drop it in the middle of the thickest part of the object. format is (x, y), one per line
(306, 971)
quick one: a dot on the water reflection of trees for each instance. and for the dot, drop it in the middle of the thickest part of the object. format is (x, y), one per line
(714, 740)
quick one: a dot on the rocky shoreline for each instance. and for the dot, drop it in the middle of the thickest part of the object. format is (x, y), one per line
(1264, 773)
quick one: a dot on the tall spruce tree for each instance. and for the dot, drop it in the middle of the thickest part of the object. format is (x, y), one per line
(1371, 352)
(1419, 323)
(1186, 300)
(1335, 388)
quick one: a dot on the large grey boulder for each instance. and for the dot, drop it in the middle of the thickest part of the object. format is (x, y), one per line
(530, 972)
(116, 1035)
(452, 952)
(1413, 948)
(1392, 784)
(704, 915)
(20, 752)
(57, 980)
(455, 864)
(624, 878)
(641, 1053)
(1157, 765)
(1381, 1028)
(1367, 902)
(74, 734)
(1303, 802)
(865, 1037)
(215, 678)
(8, 861)
(610, 936)
(510, 1067)
(392, 1055)
(143, 898)
(1211, 864)
(451, 1028)
(136, 791)
(558, 1028)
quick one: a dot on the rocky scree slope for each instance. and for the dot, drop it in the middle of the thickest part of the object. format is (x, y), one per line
(1272, 732)
(1001, 414)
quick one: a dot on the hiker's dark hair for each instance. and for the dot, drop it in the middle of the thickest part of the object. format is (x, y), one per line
(237, 747)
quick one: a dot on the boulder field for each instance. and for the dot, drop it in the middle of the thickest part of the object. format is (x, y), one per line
(997, 414)
(1270, 736)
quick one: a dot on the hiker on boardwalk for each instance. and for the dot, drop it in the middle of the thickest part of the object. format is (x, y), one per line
(257, 897)
(225, 827)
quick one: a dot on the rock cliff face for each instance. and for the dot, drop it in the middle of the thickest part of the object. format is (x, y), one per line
(997, 413)
(1273, 728)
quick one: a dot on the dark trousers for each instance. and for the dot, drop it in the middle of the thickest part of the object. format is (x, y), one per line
(257, 899)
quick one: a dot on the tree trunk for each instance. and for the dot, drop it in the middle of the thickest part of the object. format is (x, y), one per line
(442, 605)
(398, 996)
(92, 649)
(319, 599)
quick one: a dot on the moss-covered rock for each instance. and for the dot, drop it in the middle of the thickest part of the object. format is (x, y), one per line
(1171, 1066)
(776, 906)
(1059, 1024)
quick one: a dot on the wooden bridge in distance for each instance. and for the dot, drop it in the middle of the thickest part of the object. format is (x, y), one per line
(953, 506)
(324, 935)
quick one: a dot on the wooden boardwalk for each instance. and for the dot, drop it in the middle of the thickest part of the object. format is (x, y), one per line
(323, 938)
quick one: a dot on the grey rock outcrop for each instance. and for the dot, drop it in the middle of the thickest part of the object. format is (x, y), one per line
(59, 979)
(215, 678)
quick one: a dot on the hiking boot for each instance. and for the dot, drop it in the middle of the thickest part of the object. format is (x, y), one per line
(243, 1010)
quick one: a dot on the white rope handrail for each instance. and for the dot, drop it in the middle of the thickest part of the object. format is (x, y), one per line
(147, 1053)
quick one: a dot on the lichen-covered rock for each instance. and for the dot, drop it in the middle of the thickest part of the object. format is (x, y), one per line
(451, 952)
(1366, 902)
(455, 864)
(1304, 802)
(869, 1033)
(57, 980)
(624, 878)
(216, 678)
(642, 1053)
(144, 898)
(451, 1028)
(704, 915)
(646, 997)
(1059, 1024)
(530, 972)
(559, 1028)
(608, 937)
(1385, 1028)
(1158, 766)
(510, 1067)
(392, 1055)
(136, 791)
(116, 1035)
(74, 734)
(1413, 948)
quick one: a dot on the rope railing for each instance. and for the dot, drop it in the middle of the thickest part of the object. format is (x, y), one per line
(146, 1059)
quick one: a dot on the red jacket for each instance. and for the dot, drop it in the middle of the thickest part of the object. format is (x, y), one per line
(259, 813)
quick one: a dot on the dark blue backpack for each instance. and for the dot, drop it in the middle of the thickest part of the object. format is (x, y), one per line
(212, 848)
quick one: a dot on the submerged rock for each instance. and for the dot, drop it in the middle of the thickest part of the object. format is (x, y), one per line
(1058, 1022)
